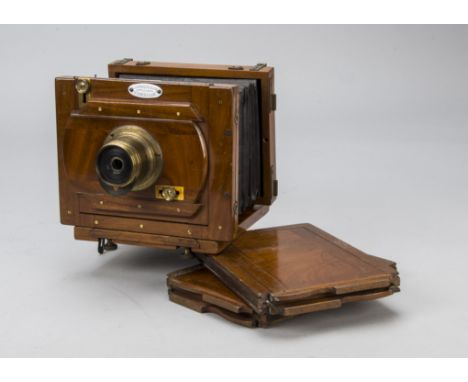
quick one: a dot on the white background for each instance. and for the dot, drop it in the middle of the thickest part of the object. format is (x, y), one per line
(371, 146)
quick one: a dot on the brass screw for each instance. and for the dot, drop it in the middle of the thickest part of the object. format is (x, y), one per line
(99, 108)
(220, 227)
(178, 113)
(220, 102)
(139, 206)
(101, 202)
(96, 222)
(138, 111)
(189, 232)
(69, 212)
(141, 225)
(178, 209)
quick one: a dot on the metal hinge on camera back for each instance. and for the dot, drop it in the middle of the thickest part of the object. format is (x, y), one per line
(258, 67)
(123, 61)
(255, 68)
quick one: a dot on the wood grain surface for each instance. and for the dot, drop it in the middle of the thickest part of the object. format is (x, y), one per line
(200, 289)
(287, 270)
(196, 127)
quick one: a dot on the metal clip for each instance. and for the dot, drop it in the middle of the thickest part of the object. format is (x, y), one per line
(258, 67)
(123, 61)
(273, 102)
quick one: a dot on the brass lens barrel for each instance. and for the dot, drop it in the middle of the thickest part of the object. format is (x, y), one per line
(129, 160)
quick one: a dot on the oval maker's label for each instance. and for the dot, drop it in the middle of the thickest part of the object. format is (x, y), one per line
(145, 90)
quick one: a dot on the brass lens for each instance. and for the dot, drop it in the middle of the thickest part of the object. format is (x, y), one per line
(129, 160)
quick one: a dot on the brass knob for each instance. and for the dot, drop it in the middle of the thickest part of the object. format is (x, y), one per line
(82, 85)
(169, 193)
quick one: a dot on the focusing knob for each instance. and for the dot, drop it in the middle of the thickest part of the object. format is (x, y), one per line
(169, 193)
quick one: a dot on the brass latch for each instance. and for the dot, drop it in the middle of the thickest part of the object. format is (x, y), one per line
(170, 193)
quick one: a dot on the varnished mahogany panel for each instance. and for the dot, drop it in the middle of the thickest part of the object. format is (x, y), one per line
(194, 302)
(198, 279)
(281, 270)
(138, 208)
(199, 289)
(196, 127)
(149, 240)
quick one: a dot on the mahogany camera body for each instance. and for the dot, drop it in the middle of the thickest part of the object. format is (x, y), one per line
(181, 155)
(166, 155)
